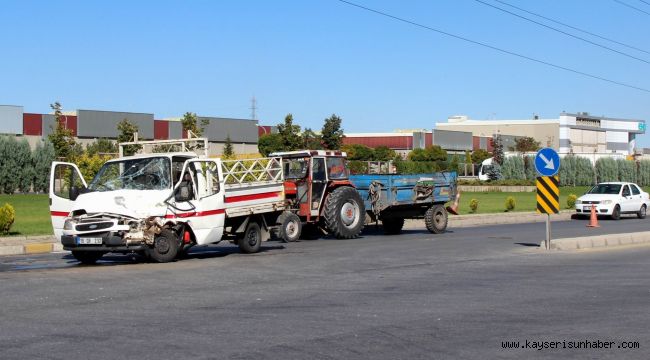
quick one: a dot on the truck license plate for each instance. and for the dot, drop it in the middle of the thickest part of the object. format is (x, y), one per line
(586, 208)
(89, 241)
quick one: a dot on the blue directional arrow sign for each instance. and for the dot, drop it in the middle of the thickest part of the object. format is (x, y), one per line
(547, 162)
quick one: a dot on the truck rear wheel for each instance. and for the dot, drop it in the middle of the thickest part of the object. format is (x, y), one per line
(87, 257)
(252, 240)
(436, 219)
(290, 227)
(393, 226)
(165, 247)
(344, 213)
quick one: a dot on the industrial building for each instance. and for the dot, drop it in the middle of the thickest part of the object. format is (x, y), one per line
(89, 125)
(579, 134)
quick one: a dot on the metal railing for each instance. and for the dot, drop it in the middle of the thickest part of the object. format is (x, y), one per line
(252, 170)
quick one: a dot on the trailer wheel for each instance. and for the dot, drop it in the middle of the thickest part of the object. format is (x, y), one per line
(87, 257)
(393, 226)
(165, 247)
(436, 219)
(344, 213)
(290, 226)
(252, 240)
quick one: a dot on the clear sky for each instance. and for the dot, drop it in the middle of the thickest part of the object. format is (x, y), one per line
(315, 58)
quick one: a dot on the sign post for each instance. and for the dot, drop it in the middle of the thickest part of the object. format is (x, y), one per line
(547, 163)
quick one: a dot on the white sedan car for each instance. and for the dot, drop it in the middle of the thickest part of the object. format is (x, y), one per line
(614, 199)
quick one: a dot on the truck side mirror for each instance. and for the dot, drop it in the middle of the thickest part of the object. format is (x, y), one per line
(73, 193)
(183, 192)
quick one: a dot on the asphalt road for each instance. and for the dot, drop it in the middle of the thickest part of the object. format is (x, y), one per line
(412, 296)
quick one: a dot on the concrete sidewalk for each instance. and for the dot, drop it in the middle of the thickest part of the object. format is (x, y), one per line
(20, 245)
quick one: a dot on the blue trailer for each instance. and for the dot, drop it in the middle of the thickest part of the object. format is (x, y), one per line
(391, 198)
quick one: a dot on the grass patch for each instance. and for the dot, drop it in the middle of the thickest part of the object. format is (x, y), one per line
(32, 214)
(494, 202)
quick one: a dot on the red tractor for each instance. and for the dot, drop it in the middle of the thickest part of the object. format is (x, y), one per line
(319, 196)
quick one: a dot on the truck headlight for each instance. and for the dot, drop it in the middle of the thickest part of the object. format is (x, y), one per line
(578, 202)
(606, 202)
(68, 224)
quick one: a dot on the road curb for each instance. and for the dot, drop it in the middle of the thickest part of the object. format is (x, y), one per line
(599, 241)
(23, 245)
(460, 221)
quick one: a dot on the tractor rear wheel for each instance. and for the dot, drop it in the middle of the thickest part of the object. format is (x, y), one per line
(344, 213)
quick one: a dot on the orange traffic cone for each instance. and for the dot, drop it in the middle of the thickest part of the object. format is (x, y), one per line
(454, 208)
(593, 220)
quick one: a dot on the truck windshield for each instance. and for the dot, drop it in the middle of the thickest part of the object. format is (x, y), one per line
(295, 168)
(611, 189)
(134, 174)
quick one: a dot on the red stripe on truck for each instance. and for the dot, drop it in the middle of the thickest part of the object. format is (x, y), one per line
(59, 213)
(250, 197)
(196, 214)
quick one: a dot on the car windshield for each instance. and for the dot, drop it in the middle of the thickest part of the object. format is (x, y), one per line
(612, 189)
(134, 174)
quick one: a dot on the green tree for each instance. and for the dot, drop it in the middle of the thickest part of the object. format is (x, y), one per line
(127, 130)
(526, 144)
(102, 146)
(42, 158)
(454, 164)
(311, 140)
(497, 153)
(190, 122)
(61, 138)
(25, 165)
(290, 134)
(10, 166)
(332, 133)
(358, 152)
(270, 143)
(479, 155)
(383, 153)
(228, 150)
(419, 155)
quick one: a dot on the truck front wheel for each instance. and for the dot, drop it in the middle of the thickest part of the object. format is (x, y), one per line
(290, 226)
(344, 213)
(252, 240)
(87, 257)
(165, 247)
(436, 219)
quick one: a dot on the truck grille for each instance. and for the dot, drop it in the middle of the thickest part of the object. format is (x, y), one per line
(94, 226)
(591, 202)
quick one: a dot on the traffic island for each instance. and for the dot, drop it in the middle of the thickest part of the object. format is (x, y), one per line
(22, 245)
(599, 241)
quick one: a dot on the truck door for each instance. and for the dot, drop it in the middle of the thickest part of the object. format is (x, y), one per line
(199, 197)
(319, 183)
(65, 183)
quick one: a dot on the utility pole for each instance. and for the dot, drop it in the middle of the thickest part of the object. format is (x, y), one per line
(253, 108)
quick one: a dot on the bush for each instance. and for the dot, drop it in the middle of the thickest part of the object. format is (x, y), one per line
(584, 172)
(606, 169)
(567, 171)
(571, 201)
(643, 176)
(42, 158)
(513, 168)
(473, 205)
(358, 167)
(494, 172)
(10, 167)
(626, 170)
(531, 172)
(25, 165)
(510, 203)
(7, 217)
(416, 167)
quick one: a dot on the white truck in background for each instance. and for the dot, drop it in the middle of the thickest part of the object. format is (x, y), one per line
(160, 204)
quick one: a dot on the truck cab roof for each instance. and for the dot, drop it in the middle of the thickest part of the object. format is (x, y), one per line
(308, 153)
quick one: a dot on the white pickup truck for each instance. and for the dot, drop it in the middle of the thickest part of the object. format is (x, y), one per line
(159, 205)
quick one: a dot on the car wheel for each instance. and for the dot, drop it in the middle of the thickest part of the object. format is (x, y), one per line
(642, 212)
(616, 214)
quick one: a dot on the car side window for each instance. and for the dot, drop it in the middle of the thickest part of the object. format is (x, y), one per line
(626, 190)
(635, 190)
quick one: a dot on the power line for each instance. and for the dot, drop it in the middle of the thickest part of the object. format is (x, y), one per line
(573, 27)
(493, 47)
(563, 32)
(645, 2)
(632, 7)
